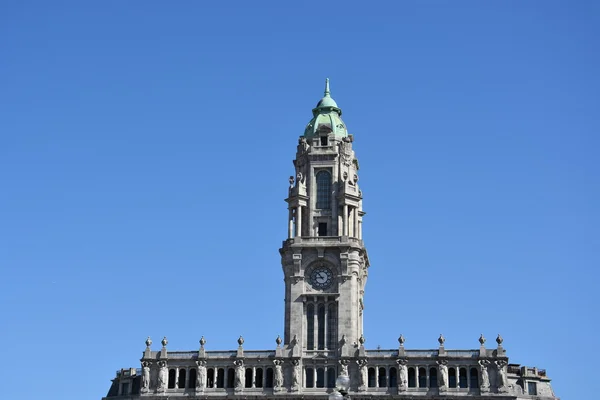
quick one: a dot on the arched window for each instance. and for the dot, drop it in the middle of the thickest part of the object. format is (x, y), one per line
(422, 377)
(220, 378)
(393, 377)
(371, 376)
(451, 377)
(248, 381)
(474, 378)
(320, 377)
(462, 378)
(412, 381)
(310, 377)
(310, 327)
(171, 384)
(382, 376)
(321, 326)
(192, 378)
(269, 381)
(210, 378)
(323, 190)
(332, 326)
(181, 380)
(433, 378)
(331, 375)
(230, 377)
(258, 379)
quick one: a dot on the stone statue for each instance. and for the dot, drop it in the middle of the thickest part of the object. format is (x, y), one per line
(278, 374)
(201, 376)
(145, 376)
(403, 374)
(344, 371)
(501, 382)
(362, 374)
(162, 377)
(296, 375)
(239, 374)
(443, 379)
(485, 378)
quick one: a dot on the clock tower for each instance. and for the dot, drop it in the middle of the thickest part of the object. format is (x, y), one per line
(324, 259)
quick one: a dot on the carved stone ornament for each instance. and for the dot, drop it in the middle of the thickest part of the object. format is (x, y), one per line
(296, 375)
(148, 342)
(164, 342)
(485, 378)
(501, 380)
(239, 374)
(278, 340)
(362, 374)
(344, 370)
(401, 340)
(499, 340)
(278, 379)
(202, 341)
(201, 376)
(482, 339)
(145, 376)
(362, 340)
(443, 376)
(402, 374)
(441, 339)
(161, 385)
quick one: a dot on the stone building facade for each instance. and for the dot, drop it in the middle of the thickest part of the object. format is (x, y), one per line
(325, 266)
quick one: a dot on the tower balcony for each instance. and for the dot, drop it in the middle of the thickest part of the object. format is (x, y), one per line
(324, 241)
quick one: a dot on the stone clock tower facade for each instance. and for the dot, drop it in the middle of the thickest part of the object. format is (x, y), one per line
(324, 259)
(325, 267)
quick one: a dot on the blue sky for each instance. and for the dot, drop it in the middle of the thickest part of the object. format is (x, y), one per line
(146, 147)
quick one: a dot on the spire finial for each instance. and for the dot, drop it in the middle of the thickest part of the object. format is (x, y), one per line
(327, 94)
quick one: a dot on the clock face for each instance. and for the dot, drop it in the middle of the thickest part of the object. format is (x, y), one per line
(321, 278)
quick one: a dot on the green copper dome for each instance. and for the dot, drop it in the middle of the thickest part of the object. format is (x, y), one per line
(326, 117)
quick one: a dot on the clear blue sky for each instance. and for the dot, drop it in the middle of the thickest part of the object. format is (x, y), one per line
(146, 146)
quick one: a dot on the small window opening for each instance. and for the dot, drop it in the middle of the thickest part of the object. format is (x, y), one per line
(371, 377)
(269, 380)
(422, 377)
(452, 377)
(259, 378)
(320, 377)
(412, 382)
(310, 377)
(248, 382)
(220, 378)
(462, 378)
(230, 377)
(323, 140)
(474, 378)
(322, 228)
(532, 388)
(192, 378)
(393, 377)
(171, 384)
(433, 383)
(181, 381)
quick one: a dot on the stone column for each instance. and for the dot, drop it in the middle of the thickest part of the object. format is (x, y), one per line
(253, 377)
(316, 326)
(290, 223)
(355, 217)
(176, 378)
(298, 221)
(345, 230)
(325, 324)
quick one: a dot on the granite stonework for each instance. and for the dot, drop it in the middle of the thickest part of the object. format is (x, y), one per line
(325, 266)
